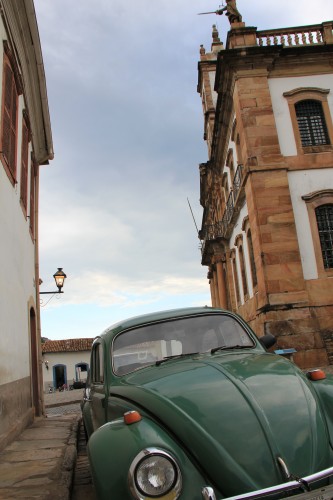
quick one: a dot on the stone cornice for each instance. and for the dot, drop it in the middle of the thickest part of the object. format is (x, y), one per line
(300, 90)
(316, 194)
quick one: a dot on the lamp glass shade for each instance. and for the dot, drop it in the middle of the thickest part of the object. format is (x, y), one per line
(59, 278)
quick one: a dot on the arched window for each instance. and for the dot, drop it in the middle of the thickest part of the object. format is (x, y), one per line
(230, 164)
(310, 119)
(311, 123)
(235, 276)
(251, 255)
(324, 217)
(233, 130)
(243, 272)
(225, 186)
(320, 211)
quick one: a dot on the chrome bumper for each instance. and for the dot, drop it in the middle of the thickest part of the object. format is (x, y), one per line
(303, 483)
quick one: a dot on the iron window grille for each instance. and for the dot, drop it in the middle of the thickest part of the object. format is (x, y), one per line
(311, 123)
(324, 216)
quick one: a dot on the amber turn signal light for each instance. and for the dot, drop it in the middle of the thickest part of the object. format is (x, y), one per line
(131, 417)
(316, 374)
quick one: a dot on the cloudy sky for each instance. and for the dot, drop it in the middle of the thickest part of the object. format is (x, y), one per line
(128, 137)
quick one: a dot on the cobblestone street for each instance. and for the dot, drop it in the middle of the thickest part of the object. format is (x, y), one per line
(63, 403)
(82, 482)
(68, 403)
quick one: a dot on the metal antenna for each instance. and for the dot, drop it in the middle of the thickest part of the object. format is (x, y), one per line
(196, 227)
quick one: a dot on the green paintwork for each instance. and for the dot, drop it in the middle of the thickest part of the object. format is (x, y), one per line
(225, 417)
(113, 447)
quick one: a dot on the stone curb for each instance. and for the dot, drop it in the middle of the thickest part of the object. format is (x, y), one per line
(63, 403)
(69, 460)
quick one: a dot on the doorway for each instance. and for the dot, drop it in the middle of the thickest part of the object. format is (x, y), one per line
(81, 370)
(34, 362)
(59, 376)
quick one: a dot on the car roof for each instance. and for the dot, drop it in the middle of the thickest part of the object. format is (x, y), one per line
(158, 316)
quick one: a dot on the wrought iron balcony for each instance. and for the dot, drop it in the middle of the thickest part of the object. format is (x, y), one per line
(220, 229)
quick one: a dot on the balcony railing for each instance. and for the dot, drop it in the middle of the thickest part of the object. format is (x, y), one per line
(292, 37)
(211, 232)
(229, 207)
(237, 182)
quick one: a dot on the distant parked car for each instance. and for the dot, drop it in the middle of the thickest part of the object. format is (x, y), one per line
(189, 404)
(79, 384)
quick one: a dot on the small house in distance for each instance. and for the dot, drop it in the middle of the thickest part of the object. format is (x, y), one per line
(65, 362)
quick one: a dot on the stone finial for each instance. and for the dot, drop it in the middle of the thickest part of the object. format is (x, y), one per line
(215, 34)
(202, 50)
(216, 43)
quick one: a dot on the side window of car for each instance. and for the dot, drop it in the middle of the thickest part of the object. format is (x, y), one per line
(97, 368)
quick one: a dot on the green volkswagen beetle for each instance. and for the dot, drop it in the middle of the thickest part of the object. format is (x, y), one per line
(189, 404)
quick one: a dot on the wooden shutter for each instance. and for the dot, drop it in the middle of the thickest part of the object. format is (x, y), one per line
(9, 119)
(32, 199)
(24, 165)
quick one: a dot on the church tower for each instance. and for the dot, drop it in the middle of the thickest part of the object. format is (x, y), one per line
(267, 187)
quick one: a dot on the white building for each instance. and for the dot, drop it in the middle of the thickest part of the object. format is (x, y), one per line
(65, 362)
(26, 143)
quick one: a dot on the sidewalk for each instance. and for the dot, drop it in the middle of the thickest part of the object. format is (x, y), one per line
(63, 398)
(40, 463)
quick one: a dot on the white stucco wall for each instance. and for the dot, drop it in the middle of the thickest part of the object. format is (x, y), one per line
(212, 84)
(301, 183)
(277, 87)
(17, 268)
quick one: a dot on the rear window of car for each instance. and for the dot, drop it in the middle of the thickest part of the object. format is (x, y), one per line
(153, 342)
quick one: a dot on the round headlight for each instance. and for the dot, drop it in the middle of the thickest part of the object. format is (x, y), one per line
(155, 476)
(154, 473)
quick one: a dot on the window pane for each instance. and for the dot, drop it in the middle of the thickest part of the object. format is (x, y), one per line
(144, 346)
(311, 123)
(324, 216)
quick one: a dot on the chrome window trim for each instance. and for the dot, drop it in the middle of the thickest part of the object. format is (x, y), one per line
(174, 492)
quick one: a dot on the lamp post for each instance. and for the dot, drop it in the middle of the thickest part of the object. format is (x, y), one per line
(59, 278)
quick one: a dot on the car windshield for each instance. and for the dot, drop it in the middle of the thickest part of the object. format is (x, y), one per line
(154, 342)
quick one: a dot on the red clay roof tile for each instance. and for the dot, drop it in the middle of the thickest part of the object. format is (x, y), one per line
(67, 345)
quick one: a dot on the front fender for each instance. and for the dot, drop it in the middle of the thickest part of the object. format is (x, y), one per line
(324, 389)
(112, 448)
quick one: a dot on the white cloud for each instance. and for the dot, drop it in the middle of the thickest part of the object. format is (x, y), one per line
(127, 127)
(107, 290)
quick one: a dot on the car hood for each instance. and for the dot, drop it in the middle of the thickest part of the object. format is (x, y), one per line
(236, 414)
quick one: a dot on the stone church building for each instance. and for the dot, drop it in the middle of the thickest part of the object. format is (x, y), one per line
(267, 188)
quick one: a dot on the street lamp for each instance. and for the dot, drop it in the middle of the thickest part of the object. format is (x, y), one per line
(59, 278)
